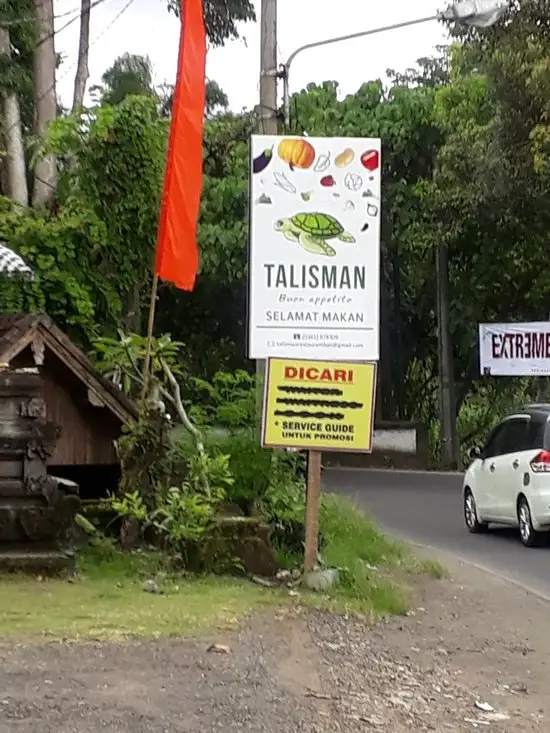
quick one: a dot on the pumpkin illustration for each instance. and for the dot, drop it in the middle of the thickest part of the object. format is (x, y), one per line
(298, 153)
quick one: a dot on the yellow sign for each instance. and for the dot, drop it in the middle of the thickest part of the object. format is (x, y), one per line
(320, 405)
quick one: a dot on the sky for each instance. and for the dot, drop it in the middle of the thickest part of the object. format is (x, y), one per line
(145, 27)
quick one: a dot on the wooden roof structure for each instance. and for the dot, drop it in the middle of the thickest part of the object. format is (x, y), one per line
(19, 331)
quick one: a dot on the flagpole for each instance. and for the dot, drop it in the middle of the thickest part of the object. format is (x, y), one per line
(177, 256)
(149, 347)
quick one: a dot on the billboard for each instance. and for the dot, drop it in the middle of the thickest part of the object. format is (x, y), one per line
(314, 261)
(319, 405)
(514, 349)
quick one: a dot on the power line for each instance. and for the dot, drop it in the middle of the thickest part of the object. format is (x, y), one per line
(47, 37)
(95, 40)
(72, 66)
(32, 19)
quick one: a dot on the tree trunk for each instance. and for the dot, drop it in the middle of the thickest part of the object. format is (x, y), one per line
(44, 63)
(13, 134)
(82, 71)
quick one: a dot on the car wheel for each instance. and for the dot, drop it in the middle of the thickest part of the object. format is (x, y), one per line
(528, 534)
(470, 514)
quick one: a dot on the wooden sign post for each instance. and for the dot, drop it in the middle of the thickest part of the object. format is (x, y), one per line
(318, 406)
(313, 497)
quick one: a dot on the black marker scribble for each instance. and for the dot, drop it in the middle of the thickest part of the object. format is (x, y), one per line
(316, 415)
(320, 403)
(312, 390)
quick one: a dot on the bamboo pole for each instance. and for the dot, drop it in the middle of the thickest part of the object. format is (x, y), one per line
(150, 329)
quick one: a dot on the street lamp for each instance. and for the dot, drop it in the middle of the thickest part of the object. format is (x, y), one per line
(480, 13)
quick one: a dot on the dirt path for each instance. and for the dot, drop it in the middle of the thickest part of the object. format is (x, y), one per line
(474, 638)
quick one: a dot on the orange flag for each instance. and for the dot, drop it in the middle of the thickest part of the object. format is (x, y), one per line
(177, 257)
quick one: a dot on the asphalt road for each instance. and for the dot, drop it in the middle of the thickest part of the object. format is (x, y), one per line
(426, 508)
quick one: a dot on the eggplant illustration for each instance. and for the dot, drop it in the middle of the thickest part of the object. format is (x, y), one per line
(261, 162)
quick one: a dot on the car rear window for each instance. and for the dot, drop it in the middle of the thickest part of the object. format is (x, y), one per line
(534, 437)
(513, 436)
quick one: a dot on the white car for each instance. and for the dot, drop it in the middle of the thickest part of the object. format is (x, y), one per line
(508, 481)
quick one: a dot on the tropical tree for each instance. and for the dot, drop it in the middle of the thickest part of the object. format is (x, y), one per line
(129, 74)
(222, 17)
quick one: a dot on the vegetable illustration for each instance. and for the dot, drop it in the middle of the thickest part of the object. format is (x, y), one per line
(312, 231)
(297, 152)
(281, 181)
(365, 226)
(353, 182)
(368, 194)
(262, 160)
(328, 181)
(323, 162)
(264, 199)
(372, 210)
(345, 158)
(306, 195)
(370, 160)
(349, 206)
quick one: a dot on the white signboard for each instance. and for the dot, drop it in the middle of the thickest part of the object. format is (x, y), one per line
(514, 349)
(314, 248)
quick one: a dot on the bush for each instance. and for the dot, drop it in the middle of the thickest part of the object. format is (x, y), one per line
(229, 401)
(184, 513)
(254, 469)
(250, 464)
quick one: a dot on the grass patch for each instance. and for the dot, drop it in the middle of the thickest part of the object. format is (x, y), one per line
(372, 566)
(109, 601)
(432, 568)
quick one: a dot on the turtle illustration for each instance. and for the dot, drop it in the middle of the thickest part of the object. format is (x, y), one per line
(312, 230)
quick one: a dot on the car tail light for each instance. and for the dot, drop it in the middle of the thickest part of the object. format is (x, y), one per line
(541, 462)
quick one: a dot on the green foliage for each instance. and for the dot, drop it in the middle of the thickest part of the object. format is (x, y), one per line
(228, 401)
(183, 517)
(130, 505)
(251, 465)
(129, 75)
(66, 254)
(16, 72)
(255, 470)
(122, 360)
(181, 514)
(221, 18)
(144, 452)
(92, 256)
(286, 500)
(120, 155)
(217, 472)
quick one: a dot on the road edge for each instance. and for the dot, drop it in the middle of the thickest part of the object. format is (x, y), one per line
(465, 561)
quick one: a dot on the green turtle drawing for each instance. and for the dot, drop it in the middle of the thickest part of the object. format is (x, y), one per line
(312, 230)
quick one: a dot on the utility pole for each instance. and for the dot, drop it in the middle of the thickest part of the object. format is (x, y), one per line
(267, 119)
(267, 113)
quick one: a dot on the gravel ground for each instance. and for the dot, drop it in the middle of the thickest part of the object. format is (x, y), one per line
(472, 639)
